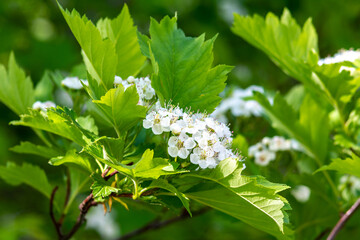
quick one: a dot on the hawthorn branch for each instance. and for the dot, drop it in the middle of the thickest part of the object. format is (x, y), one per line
(340, 224)
(52, 215)
(83, 207)
(157, 223)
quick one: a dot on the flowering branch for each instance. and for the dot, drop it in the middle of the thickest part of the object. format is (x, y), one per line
(340, 224)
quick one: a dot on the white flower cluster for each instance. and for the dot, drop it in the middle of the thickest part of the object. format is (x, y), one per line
(143, 87)
(239, 105)
(301, 193)
(43, 106)
(199, 136)
(265, 151)
(74, 83)
(341, 56)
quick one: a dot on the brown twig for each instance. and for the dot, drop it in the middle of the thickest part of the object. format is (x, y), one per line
(84, 207)
(340, 224)
(110, 175)
(52, 215)
(157, 223)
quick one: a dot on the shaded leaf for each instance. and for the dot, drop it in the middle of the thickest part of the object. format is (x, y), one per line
(30, 148)
(27, 174)
(72, 157)
(16, 90)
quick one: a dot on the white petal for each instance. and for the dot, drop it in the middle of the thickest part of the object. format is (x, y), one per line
(183, 153)
(157, 129)
(189, 143)
(165, 122)
(147, 124)
(173, 141)
(194, 158)
(173, 151)
(203, 164)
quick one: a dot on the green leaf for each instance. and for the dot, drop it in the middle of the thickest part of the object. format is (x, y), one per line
(253, 200)
(53, 122)
(30, 148)
(240, 144)
(16, 90)
(88, 123)
(26, 174)
(99, 54)
(312, 133)
(44, 88)
(123, 34)
(348, 166)
(163, 184)
(182, 67)
(295, 51)
(121, 107)
(101, 188)
(72, 157)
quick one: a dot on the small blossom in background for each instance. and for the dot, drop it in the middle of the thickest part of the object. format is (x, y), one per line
(143, 87)
(342, 56)
(238, 105)
(265, 151)
(104, 224)
(352, 182)
(74, 83)
(43, 106)
(301, 193)
(196, 136)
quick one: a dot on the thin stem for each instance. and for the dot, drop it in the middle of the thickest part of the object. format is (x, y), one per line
(52, 215)
(340, 224)
(157, 223)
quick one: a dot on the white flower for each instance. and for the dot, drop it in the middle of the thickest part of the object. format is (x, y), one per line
(179, 146)
(43, 106)
(239, 104)
(279, 144)
(157, 123)
(263, 157)
(74, 83)
(143, 87)
(301, 193)
(203, 138)
(351, 181)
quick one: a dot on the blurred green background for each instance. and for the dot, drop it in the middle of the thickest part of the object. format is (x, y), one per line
(36, 31)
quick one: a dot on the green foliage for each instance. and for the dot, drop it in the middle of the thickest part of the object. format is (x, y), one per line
(30, 148)
(123, 34)
(240, 144)
(120, 106)
(101, 188)
(253, 200)
(44, 88)
(182, 67)
(16, 90)
(74, 158)
(306, 129)
(27, 174)
(54, 122)
(99, 54)
(295, 51)
(348, 166)
(163, 184)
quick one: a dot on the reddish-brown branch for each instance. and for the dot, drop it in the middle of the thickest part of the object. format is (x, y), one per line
(83, 207)
(340, 224)
(157, 223)
(52, 215)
